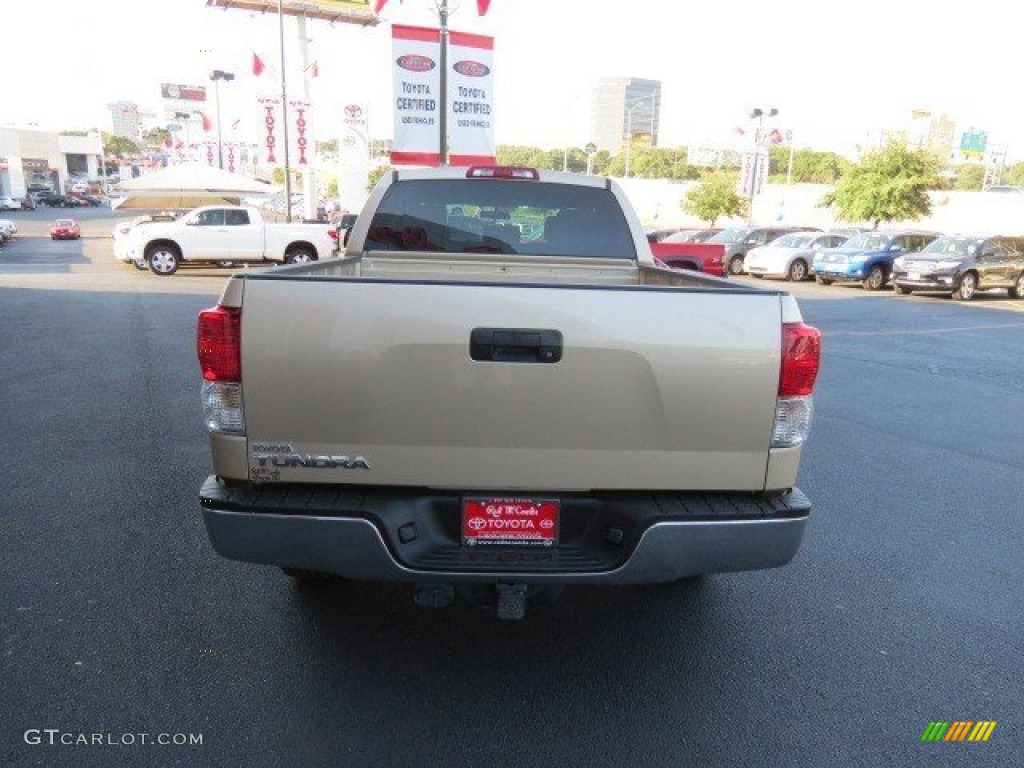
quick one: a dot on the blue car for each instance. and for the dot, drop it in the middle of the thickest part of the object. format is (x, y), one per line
(867, 258)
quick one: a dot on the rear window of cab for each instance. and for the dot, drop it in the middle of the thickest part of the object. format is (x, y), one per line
(500, 216)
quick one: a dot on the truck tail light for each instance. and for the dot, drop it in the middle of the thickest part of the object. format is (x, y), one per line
(333, 234)
(794, 406)
(219, 344)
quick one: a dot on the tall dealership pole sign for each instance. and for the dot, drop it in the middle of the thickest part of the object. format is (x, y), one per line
(344, 11)
(443, 84)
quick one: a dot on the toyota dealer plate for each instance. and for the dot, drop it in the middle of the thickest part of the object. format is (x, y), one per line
(517, 522)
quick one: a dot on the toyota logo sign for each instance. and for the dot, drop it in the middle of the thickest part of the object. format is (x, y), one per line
(353, 111)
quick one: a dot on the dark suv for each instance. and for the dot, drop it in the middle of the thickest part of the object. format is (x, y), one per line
(963, 265)
(739, 240)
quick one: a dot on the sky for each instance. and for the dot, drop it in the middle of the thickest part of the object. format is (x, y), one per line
(836, 71)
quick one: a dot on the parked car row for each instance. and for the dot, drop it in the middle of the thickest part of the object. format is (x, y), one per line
(909, 260)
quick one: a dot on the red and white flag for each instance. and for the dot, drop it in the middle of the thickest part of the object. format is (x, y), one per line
(207, 122)
(378, 4)
(258, 66)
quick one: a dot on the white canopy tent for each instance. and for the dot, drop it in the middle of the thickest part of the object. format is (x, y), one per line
(188, 186)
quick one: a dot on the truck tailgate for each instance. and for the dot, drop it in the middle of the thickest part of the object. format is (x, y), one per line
(656, 388)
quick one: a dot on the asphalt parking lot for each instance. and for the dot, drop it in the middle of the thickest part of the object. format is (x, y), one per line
(903, 607)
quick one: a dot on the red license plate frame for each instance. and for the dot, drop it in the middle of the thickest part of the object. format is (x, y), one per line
(510, 521)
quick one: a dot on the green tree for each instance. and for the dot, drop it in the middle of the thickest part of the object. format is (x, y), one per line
(652, 163)
(509, 154)
(888, 184)
(375, 176)
(714, 197)
(1013, 175)
(809, 166)
(157, 137)
(119, 146)
(601, 160)
(277, 176)
(969, 176)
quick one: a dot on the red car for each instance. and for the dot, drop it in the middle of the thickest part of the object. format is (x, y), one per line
(65, 229)
(699, 257)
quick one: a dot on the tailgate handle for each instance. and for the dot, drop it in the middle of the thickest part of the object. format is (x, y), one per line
(515, 345)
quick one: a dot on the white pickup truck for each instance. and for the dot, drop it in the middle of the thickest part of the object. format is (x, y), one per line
(225, 234)
(497, 387)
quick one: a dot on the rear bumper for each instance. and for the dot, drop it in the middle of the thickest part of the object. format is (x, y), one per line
(410, 536)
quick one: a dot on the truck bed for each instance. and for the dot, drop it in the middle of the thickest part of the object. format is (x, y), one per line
(677, 374)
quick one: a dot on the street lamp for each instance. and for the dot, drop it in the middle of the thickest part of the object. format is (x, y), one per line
(629, 123)
(186, 118)
(217, 75)
(756, 114)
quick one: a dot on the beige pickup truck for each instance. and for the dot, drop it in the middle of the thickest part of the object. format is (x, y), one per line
(495, 385)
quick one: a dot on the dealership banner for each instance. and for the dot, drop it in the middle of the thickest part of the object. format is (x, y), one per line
(470, 99)
(417, 82)
(271, 123)
(176, 92)
(300, 134)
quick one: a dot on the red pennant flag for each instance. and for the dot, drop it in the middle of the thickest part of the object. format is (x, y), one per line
(378, 4)
(257, 65)
(482, 6)
(207, 122)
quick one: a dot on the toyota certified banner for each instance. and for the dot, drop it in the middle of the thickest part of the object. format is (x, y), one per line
(417, 73)
(470, 99)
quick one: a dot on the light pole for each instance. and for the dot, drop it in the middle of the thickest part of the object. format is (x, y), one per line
(186, 118)
(756, 114)
(103, 163)
(217, 75)
(629, 123)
